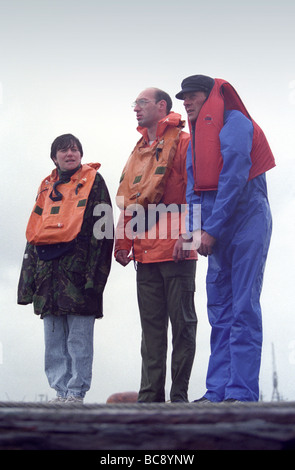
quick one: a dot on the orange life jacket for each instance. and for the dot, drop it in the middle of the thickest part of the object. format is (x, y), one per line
(207, 158)
(145, 174)
(60, 221)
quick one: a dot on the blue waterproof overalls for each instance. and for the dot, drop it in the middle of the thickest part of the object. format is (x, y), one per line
(239, 217)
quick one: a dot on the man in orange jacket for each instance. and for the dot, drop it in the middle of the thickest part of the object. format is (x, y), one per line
(154, 179)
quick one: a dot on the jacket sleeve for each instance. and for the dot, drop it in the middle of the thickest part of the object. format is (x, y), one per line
(193, 221)
(235, 143)
(122, 241)
(98, 229)
(26, 285)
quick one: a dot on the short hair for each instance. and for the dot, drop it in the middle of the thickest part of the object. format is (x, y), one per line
(162, 95)
(64, 142)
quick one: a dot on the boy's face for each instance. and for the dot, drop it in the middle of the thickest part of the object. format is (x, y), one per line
(69, 158)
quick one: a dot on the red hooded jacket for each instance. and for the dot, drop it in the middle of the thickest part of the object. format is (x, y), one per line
(207, 158)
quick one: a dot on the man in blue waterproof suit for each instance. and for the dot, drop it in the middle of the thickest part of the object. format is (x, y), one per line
(226, 164)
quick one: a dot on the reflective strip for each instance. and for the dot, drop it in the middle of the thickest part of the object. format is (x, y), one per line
(82, 203)
(137, 179)
(38, 210)
(160, 170)
(55, 210)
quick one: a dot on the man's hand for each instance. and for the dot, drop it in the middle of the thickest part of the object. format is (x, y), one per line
(122, 257)
(206, 245)
(181, 251)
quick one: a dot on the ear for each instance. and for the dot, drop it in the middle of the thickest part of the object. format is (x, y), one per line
(163, 106)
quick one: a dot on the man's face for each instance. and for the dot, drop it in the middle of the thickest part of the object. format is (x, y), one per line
(146, 109)
(193, 102)
(69, 158)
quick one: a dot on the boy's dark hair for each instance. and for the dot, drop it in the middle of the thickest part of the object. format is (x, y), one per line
(63, 142)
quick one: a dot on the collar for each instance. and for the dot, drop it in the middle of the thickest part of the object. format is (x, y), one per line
(172, 120)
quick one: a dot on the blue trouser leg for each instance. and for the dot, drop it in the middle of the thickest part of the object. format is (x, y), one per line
(80, 348)
(220, 315)
(246, 331)
(57, 358)
(234, 282)
(69, 353)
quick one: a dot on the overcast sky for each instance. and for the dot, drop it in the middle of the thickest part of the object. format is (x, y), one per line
(76, 66)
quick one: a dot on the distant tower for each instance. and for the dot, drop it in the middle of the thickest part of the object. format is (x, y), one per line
(275, 392)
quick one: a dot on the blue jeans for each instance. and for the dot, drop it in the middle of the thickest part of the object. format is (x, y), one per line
(69, 353)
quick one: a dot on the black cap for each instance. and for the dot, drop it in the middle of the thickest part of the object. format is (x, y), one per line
(196, 83)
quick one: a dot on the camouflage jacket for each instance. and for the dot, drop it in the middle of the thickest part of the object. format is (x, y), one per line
(74, 282)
